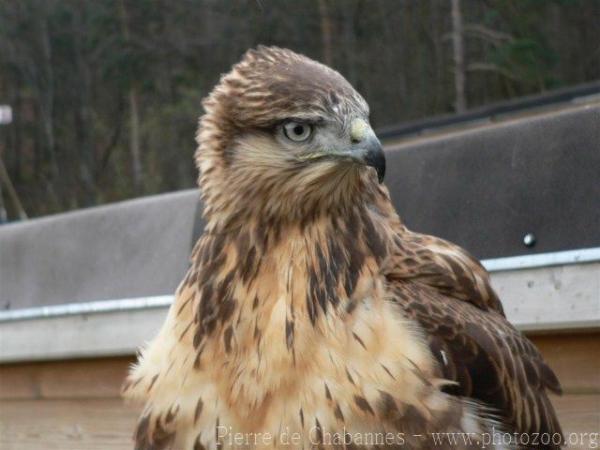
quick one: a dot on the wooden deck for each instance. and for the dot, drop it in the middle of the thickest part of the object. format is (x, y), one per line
(75, 404)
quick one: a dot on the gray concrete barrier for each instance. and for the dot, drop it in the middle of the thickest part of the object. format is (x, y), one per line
(129, 249)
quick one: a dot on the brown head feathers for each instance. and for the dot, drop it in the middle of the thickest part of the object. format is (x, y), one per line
(244, 168)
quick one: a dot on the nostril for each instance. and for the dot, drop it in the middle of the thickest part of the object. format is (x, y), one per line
(354, 140)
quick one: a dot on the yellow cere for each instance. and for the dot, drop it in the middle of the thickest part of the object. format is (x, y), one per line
(358, 129)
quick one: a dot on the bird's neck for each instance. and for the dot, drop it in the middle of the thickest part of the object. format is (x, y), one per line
(287, 199)
(314, 265)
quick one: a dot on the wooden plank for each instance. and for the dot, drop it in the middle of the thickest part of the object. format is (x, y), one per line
(66, 425)
(568, 354)
(18, 381)
(88, 378)
(96, 424)
(571, 356)
(579, 417)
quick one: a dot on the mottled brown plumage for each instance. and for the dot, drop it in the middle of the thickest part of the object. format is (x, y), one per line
(309, 310)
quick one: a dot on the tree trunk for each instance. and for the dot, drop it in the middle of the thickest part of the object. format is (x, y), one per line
(134, 140)
(326, 33)
(438, 53)
(351, 59)
(46, 91)
(460, 104)
(11, 192)
(134, 122)
(83, 114)
(3, 214)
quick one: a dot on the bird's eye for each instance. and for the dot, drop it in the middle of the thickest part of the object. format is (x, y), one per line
(297, 132)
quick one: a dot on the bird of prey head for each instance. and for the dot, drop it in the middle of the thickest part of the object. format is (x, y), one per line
(288, 130)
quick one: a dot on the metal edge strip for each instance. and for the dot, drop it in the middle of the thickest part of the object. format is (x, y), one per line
(586, 255)
(96, 307)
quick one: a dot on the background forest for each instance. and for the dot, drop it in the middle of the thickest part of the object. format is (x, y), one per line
(106, 93)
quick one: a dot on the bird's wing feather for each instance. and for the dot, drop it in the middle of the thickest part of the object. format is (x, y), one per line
(448, 268)
(467, 332)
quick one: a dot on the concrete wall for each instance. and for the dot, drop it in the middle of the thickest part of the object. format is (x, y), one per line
(486, 188)
(129, 249)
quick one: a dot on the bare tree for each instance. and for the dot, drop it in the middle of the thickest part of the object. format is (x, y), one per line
(326, 32)
(106, 94)
(458, 48)
(12, 194)
(134, 123)
(46, 90)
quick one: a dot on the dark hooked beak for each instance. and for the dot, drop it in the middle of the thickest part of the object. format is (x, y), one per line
(370, 153)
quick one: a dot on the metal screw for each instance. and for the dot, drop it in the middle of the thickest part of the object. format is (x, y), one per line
(529, 240)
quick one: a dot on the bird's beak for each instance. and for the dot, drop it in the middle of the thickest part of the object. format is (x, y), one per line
(366, 148)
